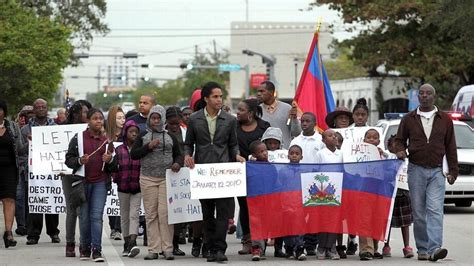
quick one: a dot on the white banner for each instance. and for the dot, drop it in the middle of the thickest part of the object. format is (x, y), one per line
(181, 208)
(278, 156)
(357, 134)
(218, 180)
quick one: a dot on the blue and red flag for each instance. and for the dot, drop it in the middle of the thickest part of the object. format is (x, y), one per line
(314, 92)
(295, 199)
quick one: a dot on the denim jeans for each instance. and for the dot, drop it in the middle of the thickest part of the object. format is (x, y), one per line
(91, 215)
(427, 187)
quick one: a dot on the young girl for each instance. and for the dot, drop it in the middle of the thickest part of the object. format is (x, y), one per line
(360, 113)
(157, 151)
(127, 176)
(369, 246)
(96, 161)
(402, 215)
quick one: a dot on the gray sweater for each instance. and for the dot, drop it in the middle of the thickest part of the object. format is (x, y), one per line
(279, 119)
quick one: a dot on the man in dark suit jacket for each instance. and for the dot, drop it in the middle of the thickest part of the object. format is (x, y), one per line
(212, 138)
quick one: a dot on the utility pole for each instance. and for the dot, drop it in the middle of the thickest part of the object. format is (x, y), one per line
(215, 49)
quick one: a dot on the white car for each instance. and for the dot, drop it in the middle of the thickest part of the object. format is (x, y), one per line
(462, 192)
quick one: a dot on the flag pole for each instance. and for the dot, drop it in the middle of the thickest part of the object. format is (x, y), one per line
(318, 24)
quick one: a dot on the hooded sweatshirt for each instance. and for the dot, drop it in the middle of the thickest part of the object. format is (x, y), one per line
(155, 162)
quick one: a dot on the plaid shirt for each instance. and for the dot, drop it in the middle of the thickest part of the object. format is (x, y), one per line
(128, 175)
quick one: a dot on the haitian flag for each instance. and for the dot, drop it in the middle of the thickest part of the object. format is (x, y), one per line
(295, 199)
(314, 92)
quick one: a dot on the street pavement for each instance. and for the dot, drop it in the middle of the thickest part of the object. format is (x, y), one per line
(458, 239)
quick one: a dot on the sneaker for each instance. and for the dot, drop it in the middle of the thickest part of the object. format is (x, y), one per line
(408, 252)
(116, 235)
(377, 255)
(134, 250)
(70, 249)
(332, 255)
(321, 254)
(423, 256)
(97, 256)
(341, 251)
(178, 252)
(151, 256)
(196, 249)
(439, 254)
(387, 251)
(310, 252)
(85, 253)
(351, 248)
(366, 256)
(168, 255)
(256, 252)
(299, 254)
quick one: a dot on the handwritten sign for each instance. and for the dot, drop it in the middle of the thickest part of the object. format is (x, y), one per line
(402, 176)
(181, 208)
(218, 180)
(357, 134)
(357, 152)
(50, 145)
(278, 156)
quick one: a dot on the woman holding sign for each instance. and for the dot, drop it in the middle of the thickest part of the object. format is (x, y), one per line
(250, 128)
(96, 161)
(10, 144)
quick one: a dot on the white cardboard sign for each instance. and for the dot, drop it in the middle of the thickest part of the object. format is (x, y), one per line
(218, 180)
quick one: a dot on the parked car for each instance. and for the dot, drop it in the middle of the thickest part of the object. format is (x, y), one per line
(462, 192)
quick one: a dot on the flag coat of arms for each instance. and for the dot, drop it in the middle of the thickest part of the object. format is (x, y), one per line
(295, 199)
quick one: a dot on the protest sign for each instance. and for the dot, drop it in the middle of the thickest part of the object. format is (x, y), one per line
(218, 180)
(357, 152)
(50, 145)
(356, 134)
(48, 148)
(278, 156)
(402, 176)
(181, 208)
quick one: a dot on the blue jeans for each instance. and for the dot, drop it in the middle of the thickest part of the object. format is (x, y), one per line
(91, 215)
(427, 187)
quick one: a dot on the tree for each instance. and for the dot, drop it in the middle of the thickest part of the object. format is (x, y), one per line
(33, 52)
(84, 17)
(428, 40)
(343, 67)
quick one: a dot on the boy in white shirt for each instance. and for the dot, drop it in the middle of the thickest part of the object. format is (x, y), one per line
(309, 140)
(329, 154)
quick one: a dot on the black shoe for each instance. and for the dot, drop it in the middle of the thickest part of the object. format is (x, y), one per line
(32, 241)
(279, 254)
(196, 249)
(8, 239)
(351, 248)
(182, 240)
(439, 254)
(97, 256)
(21, 231)
(85, 253)
(289, 253)
(55, 239)
(377, 255)
(205, 251)
(210, 257)
(220, 256)
(366, 256)
(310, 252)
(341, 251)
(178, 252)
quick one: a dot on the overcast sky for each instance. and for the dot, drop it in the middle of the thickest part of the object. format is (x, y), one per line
(149, 28)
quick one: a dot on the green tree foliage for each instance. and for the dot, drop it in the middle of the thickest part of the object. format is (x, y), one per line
(83, 17)
(343, 67)
(33, 52)
(428, 40)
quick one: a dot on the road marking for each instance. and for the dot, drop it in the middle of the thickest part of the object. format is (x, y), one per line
(108, 250)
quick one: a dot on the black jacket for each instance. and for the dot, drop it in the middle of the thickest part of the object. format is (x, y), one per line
(223, 148)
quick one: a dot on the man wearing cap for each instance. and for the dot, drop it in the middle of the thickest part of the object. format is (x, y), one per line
(279, 114)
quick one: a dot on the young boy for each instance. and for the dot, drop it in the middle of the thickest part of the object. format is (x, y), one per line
(294, 244)
(310, 142)
(259, 152)
(273, 137)
(369, 246)
(330, 154)
(402, 215)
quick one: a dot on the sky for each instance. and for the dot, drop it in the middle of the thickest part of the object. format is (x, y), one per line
(166, 32)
